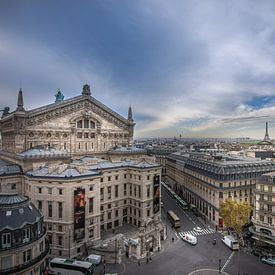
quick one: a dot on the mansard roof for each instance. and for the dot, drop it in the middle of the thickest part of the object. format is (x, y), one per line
(226, 164)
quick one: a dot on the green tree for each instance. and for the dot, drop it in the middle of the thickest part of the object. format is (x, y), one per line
(235, 214)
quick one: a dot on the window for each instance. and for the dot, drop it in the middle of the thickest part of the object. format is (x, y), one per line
(6, 240)
(241, 193)
(148, 212)
(39, 190)
(86, 135)
(50, 191)
(148, 191)
(40, 205)
(13, 186)
(27, 255)
(109, 215)
(92, 135)
(60, 191)
(235, 194)
(92, 125)
(102, 194)
(109, 192)
(109, 205)
(148, 177)
(262, 218)
(60, 240)
(116, 191)
(221, 184)
(60, 228)
(79, 124)
(41, 247)
(91, 205)
(50, 209)
(60, 210)
(130, 189)
(116, 213)
(50, 238)
(86, 123)
(26, 235)
(109, 178)
(269, 220)
(50, 227)
(65, 146)
(91, 233)
(116, 177)
(91, 187)
(220, 194)
(125, 176)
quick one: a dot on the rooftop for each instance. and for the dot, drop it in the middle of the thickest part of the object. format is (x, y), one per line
(87, 166)
(7, 168)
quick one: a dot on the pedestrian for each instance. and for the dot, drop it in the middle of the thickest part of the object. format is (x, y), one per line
(139, 262)
(172, 239)
(216, 228)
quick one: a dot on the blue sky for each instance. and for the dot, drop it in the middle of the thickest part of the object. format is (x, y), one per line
(195, 68)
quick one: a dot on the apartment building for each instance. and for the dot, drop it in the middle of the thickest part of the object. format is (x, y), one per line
(205, 181)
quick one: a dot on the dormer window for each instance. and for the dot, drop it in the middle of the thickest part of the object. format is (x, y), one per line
(26, 235)
(6, 240)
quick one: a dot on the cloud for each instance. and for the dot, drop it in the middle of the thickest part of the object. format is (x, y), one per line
(196, 68)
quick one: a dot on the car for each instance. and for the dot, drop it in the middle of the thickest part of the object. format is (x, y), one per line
(268, 260)
(94, 259)
(258, 252)
(197, 229)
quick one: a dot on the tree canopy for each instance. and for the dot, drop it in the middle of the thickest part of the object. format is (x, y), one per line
(235, 214)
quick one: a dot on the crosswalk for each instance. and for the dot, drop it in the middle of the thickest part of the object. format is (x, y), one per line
(204, 231)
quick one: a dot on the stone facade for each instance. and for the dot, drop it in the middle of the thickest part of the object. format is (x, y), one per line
(77, 125)
(205, 181)
(74, 148)
(264, 211)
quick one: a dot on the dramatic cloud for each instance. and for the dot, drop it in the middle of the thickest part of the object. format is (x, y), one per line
(196, 68)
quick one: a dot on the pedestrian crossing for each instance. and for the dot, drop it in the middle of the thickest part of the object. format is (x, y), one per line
(204, 231)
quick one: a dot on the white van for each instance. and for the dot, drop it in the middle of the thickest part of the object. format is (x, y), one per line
(94, 259)
(230, 242)
(189, 238)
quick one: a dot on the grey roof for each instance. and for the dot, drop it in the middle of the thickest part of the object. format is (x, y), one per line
(226, 164)
(11, 199)
(42, 152)
(85, 168)
(9, 168)
(124, 149)
(16, 215)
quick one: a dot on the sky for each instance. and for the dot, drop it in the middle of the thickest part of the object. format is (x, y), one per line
(190, 68)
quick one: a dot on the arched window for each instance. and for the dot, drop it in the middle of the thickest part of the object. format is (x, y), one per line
(79, 124)
(86, 123)
(92, 125)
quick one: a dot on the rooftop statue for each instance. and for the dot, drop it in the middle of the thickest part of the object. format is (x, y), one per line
(59, 96)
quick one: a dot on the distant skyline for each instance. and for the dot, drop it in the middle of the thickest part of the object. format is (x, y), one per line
(195, 68)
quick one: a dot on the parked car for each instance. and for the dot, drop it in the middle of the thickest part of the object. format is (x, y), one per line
(258, 252)
(268, 260)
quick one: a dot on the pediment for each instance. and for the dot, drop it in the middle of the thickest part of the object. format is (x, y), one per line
(89, 105)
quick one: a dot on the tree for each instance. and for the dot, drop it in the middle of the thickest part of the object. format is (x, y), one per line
(235, 214)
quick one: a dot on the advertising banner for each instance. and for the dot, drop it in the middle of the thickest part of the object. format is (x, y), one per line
(156, 188)
(79, 214)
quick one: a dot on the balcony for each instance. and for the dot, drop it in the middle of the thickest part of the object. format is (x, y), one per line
(26, 265)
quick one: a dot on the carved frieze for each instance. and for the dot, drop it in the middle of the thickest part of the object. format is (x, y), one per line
(61, 111)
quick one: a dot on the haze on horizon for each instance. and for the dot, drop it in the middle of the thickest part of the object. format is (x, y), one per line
(195, 68)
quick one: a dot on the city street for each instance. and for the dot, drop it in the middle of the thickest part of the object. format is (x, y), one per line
(179, 257)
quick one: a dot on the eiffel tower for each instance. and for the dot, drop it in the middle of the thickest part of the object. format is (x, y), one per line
(266, 137)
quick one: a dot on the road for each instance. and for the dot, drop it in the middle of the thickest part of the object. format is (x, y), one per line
(179, 257)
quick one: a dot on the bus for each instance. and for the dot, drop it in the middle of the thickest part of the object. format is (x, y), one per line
(59, 266)
(173, 218)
